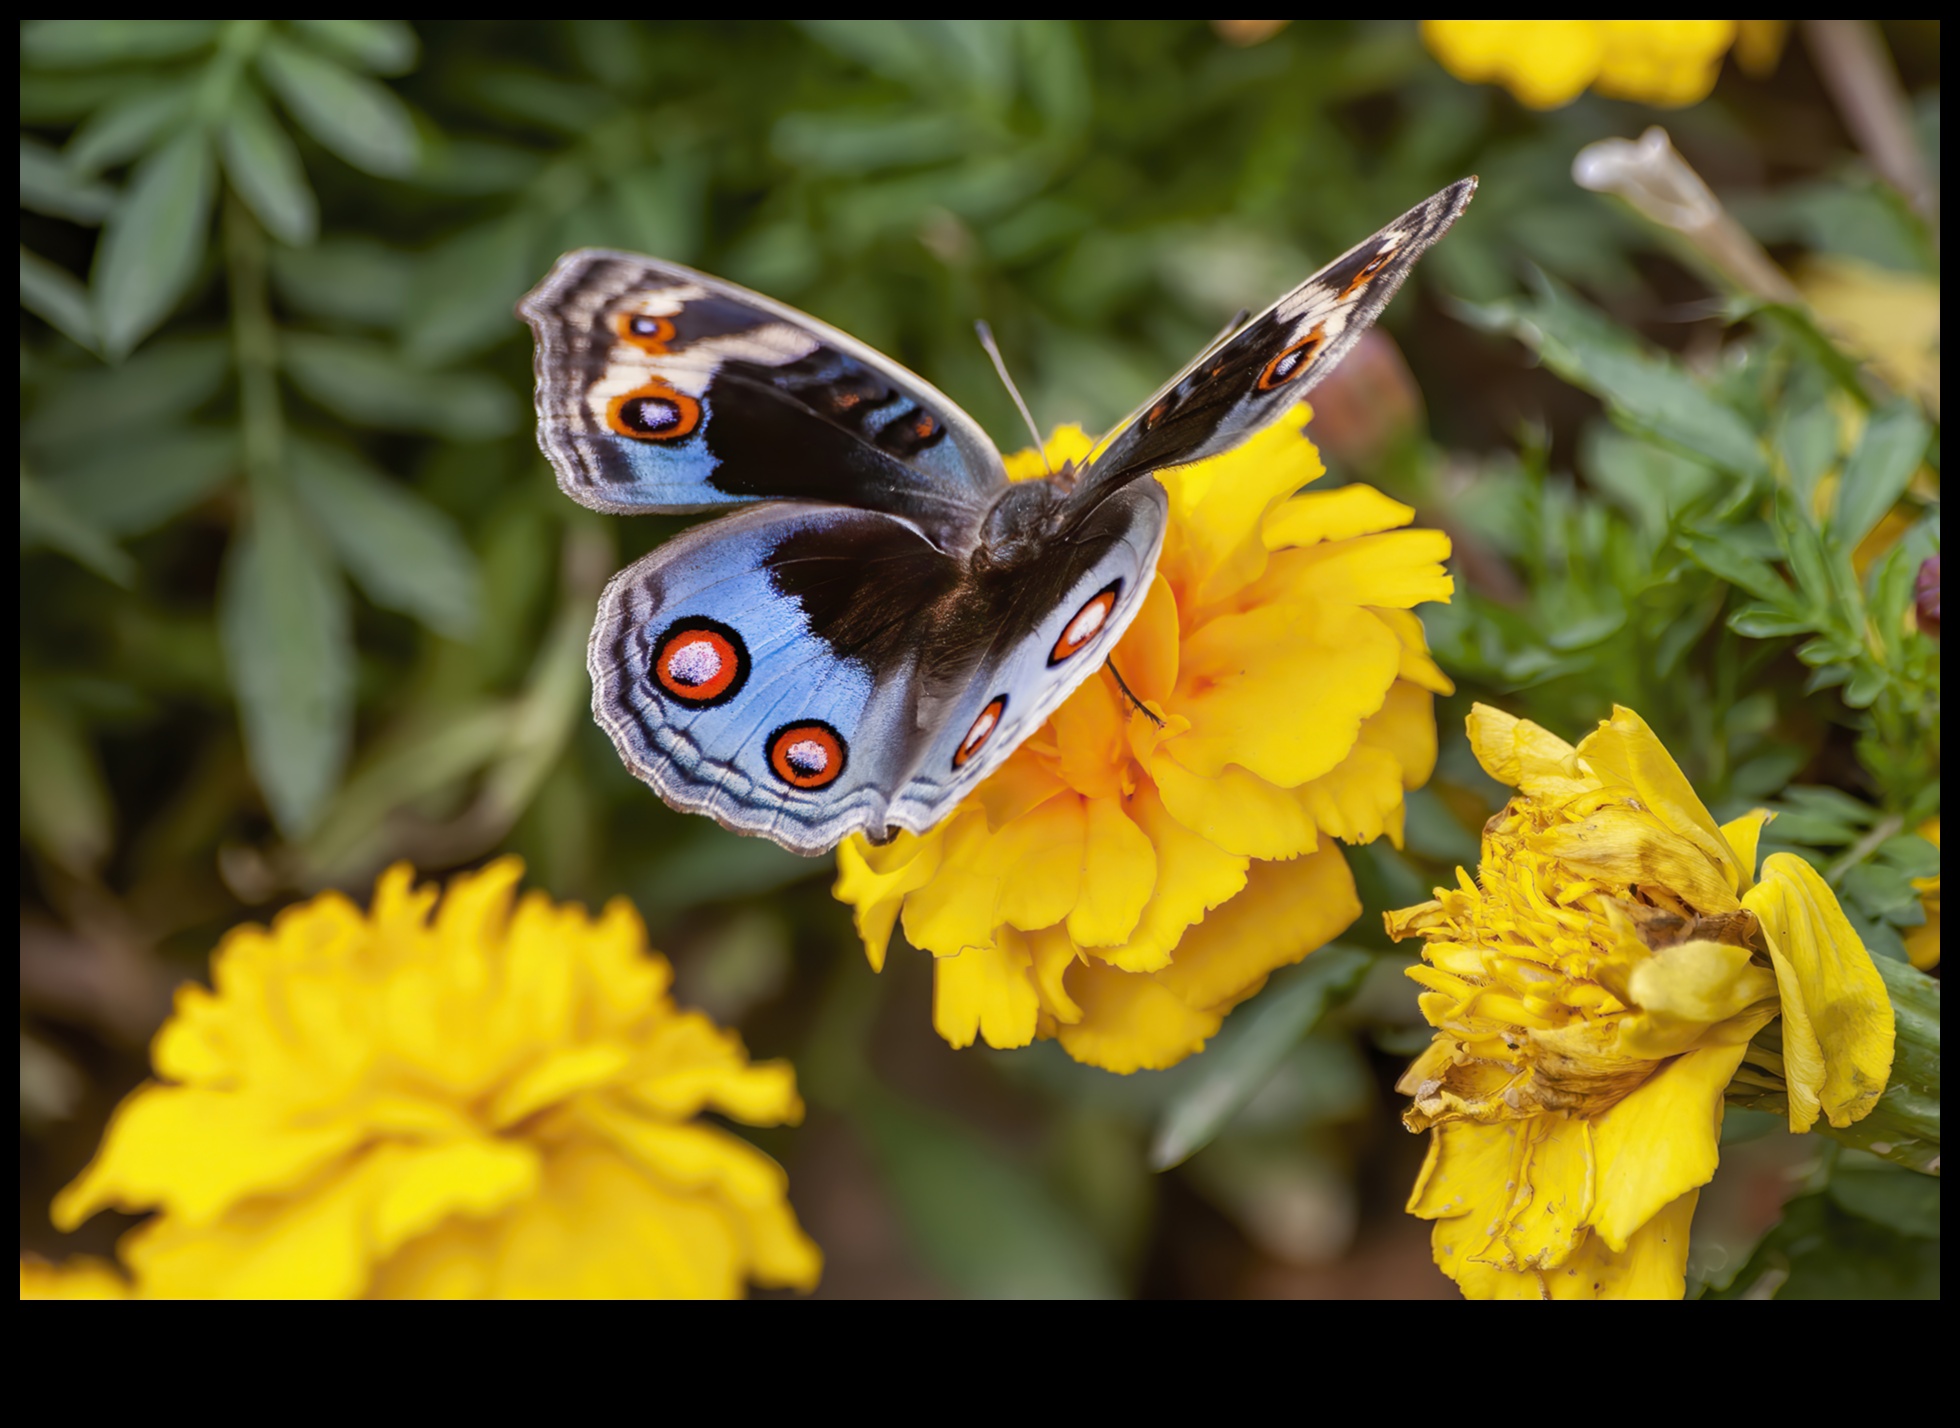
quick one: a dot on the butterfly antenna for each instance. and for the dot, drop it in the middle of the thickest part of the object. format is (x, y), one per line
(1122, 684)
(1000, 366)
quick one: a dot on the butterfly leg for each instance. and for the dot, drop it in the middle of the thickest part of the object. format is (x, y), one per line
(1141, 708)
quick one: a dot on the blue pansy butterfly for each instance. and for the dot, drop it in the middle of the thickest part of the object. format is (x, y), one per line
(881, 617)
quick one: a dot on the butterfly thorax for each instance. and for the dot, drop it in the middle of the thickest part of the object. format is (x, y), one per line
(1023, 523)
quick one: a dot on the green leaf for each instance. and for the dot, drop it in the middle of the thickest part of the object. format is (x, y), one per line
(127, 493)
(57, 297)
(153, 243)
(378, 46)
(1646, 390)
(1720, 556)
(264, 168)
(367, 383)
(1887, 1194)
(1231, 1075)
(349, 114)
(406, 554)
(983, 1224)
(162, 383)
(1807, 441)
(465, 288)
(65, 811)
(48, 185)
(46, 520)
(283, 615)
(127, 126)
(1824, 1251)
(1767, 622)
(80, 44)
(345, 279)
(1879, 469)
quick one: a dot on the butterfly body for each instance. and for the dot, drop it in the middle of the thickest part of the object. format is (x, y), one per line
(882, 616)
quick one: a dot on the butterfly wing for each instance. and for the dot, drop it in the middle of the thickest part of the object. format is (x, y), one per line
(804, 671)
(1252, 375)
(663, 389)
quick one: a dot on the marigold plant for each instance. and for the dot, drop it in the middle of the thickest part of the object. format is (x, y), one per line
(1548, 63)
(459, 1096)
(1593, 991)
(1139, 868)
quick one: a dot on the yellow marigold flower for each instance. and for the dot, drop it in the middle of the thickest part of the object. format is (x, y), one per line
(472, 1095)
(1549, 63)
(83, 1277)
(1125, 879)
(1923, 942)
(1593, 991)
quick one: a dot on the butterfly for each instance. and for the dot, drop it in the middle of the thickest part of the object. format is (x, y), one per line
(880, 616)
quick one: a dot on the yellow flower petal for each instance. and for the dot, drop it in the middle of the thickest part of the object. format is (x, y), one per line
(1130, 1023)
(1194, 875)
(878, 895)
(986, 991)
(1119, 872)
(1696, 994)
(1239, 811)
(1340, 514)
(1660, 1142)
(1286, 911)
(82, 1277)
(1219, 521)
(1624, 750)
(1620, 844)
(1148, 654)
(1837, 1018)
(1512, 749)
(196, 1152)
(1653, 1265)
(1281, 694)
(1742, 835)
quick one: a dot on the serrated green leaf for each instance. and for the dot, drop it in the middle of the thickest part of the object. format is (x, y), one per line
(265, 169)
(378, 46)
(1230, 1076)
(283, 616)
(127, 126)
(130, 492)
(405, 554)
(370, 384)
(65, 811)
(46, 520)
(153, 243)
(57, 297)
(80, 44)
(1879, 469)
(348, 113)
(48, 185)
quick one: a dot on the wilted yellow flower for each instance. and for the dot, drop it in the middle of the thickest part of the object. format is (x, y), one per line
(1547, 63)
(1923, 942)
(1593, 992)
(1125, 879)
(452, 1097)
(83, 1277)
(1890, 318)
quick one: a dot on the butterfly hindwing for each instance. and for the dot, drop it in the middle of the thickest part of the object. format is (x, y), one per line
(663, 389)
(1252, 375)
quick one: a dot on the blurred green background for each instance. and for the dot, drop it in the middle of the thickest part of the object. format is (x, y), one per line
(300, 597)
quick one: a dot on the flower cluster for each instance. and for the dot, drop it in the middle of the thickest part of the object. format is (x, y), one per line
(1593, 992)
(1548, 63)
(1132, 873)
(466, 1096)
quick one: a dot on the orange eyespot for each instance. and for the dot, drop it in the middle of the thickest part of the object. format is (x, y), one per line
(1294, 361)
(1367, 275)
(1085, 624)
(655, 412)
(651, 334)
(807, 755)
(981, 730)
(701, 662)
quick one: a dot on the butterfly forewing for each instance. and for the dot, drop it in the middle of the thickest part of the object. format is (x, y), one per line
(1257, 372)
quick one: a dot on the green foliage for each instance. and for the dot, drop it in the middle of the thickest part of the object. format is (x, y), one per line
(300, 597)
